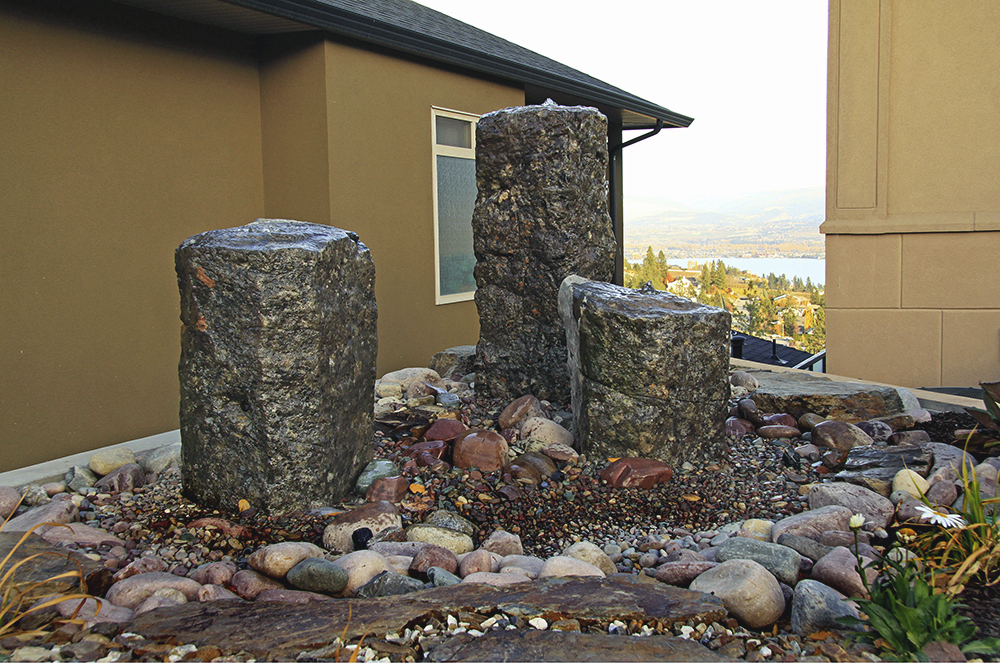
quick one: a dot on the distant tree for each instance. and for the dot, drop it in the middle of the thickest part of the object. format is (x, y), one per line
(788, 320)
(719, 279)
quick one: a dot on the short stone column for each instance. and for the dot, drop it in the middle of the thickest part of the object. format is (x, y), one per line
(278, 350)
(649, 372)
(541, 215)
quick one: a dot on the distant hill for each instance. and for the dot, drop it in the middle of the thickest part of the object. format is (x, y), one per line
(784, 223)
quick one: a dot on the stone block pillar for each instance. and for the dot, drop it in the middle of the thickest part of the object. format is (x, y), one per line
(278, 351)
(650, 372)
(541, 215)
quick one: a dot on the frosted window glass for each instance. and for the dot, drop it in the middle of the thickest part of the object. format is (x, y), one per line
(457, 133)
(456, 190)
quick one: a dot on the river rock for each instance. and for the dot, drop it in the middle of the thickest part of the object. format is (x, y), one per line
(590, 553)
(376, 516)
(816, 607)
(9, 499)
(277, 362)
(432, 555)
(503, 543)
(130, 592)
(79, 476)
(388, 489)
(389, 584)
(911, 482)
(749, 592)
(457, 542)
(649, 372)
(58, 511)
(162, 458)
(124, 478)
(277, 559)
(813, 523)
(801, 392)
(874, 507)
(482, 449)
(213, 573)
(541, 215)
(361, 566)
(875, 467)
(838, 569)
(809, 548)
(248, 583)
(209, 593)
(373, 471)
(545, 432)
(445, 430)
(529, 565)
(782, 562)
(682, 573)
(561, 566)
(451, 520)
(478, 561)
(636, 473)
(840, 435)
(107, 460)
(80, 534)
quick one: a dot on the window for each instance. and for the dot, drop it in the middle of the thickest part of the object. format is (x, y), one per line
(454, 140)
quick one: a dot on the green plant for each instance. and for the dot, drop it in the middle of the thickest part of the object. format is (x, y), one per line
(970, 550)
(905, 613)
(989, 418)
(13, 600)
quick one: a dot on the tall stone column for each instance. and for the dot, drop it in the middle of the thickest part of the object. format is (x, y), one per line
(278, 351)
(541, 215)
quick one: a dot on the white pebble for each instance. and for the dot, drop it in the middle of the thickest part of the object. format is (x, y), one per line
(765, 651)
(538, 623)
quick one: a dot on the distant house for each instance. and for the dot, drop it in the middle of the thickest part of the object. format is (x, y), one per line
(913, 207)
(132, 125)
(763, 351)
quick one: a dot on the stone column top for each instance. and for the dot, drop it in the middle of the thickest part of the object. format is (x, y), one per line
(642, 302)
(270, 235)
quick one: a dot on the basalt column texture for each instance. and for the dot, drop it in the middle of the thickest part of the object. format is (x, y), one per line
(277, 364)
(541, 215)
(649, 372)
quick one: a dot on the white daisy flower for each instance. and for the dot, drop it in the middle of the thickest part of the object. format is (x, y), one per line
(857, 521)
(938, 518)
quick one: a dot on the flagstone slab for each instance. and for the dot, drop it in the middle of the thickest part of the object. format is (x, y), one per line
(50, 562)
(799, 393)
(282, 630)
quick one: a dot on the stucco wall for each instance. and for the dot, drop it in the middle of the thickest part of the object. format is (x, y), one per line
(370, 139)
(120, 139)
(913, 209)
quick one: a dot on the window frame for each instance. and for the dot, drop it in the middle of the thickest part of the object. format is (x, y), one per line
(447, 151)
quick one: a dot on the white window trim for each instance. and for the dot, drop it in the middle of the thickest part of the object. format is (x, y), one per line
(447, 151)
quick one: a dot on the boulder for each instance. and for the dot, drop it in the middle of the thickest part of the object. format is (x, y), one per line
(277, 364)
(649, 372)
(874, 507)
(748, 590)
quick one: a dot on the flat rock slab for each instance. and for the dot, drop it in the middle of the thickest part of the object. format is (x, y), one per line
(875, 467)
(525, 645)
(50, 562)
(282, 630)
(797, 394)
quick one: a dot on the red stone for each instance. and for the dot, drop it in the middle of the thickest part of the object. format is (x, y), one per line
(778, 431)
(432, 555)
(445, 429)
(521, 409)
(425, 459)
(636, 473)
(736, 427)
(389, 489)
(780, 419)
(519, 471)
(480, 448)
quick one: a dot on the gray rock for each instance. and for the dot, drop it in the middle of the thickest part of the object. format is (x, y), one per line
(948, 458)
(450, 401)
(879, 431)
(808, 548)
(316, 574)
(909, 438)
(814, 522)
(389, 584)
(781, 561)
(125, 478)
(79, 476)
(874, 507)
(277, 364)
(460, 359)
(942, 493)
(55, 511)
(372, 472)
(838, 569)
(451, 520)
(802, 392)
(743, 379)
(9, 499)
(749, 592)
(160, 459)
(441, 577)
(35, 495)
(875, 467)
(816, 607)
(649, 372)
(541, 215)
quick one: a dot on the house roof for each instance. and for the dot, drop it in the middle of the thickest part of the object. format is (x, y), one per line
(759, 350)
(409, 27)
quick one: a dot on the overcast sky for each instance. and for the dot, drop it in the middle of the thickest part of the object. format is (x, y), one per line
(752, 74)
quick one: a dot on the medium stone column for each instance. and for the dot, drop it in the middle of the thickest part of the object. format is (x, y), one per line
(278, 351)
(541, 215)
(650, 372)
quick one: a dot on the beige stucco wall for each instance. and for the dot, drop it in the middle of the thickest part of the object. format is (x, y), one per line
(369, 139)
(913, 209)
(117, 144)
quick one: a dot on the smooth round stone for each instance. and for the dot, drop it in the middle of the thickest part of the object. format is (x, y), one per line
(478, 561)
(361, 566)
(376, 516)
(525, 407)
(911, 482)
(277, 559)
(808, 421)
(816, 607)
(432, 555)
(590, 553)
(561, 566)
(457, 542)
(108, 460)
(838, 569)
(545, 430)
(372, 471)
(389, 584)
(450, 401)
(451, 520)
(877, 430)
(316, 574)
(445, 429)
(858, 499)
(743, 379)
(480, 448)
(528, 565)
(503, 543)
(681, 574)
(773, 432)
(747, 589)
(840, 435)
(754, 528)
(780, 419)
(781, 561)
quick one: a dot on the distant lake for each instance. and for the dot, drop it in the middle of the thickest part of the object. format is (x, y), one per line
(811, 268)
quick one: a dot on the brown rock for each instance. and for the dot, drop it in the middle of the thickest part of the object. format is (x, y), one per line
(376, 516)
(431, 555)
(9, 499)
(682, 573)
(775, 432)
(248, 583)
(291, 596)
(126, 477)
(142, 565)
(440, 449)
(561, 453)
(542, 463)
(480, 448)
(39, 566)
(226, 527)
(56, 511)
(477, 561)
(525, 472)
(838, 569)
(780, 419)
(216, 593)
(80, 534)
(130, 592)
(736, 427)
(909, 438)
(388, 489)
(503, 543)
(523, 408)
(811, 524)
(636, 473)
(808, 421)
(445, 429)
(277, 559)
(940, 651)
(840, 435)
(282, 631)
